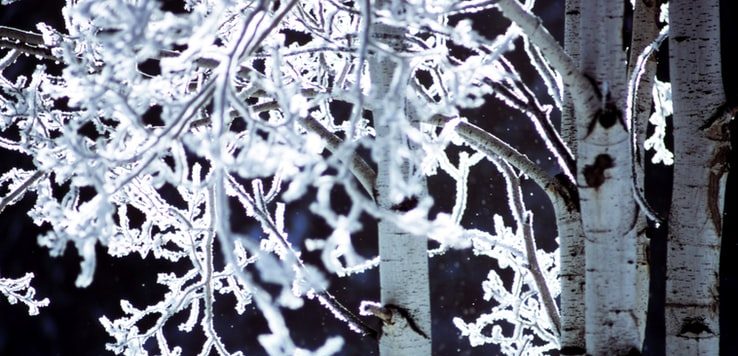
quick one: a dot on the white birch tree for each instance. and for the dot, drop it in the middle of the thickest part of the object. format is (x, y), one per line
(701, 146)
(225, 111)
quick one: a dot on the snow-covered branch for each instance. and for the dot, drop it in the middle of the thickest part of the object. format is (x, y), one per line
(20, 290)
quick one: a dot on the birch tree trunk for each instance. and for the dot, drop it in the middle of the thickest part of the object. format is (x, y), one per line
(569, 225)
(693, 250)
(571, 237)
(403, 268)
(604, 167)
(572, 44)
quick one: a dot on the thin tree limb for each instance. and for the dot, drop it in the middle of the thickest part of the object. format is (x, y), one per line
(585, 99)
(357, 165)
(324, 296)
(18, 192)
(632, 120)
(539, 117)
(524, 222)
(492, 146)
(21, 35)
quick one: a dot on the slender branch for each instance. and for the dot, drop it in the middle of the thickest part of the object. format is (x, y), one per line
(207, 282)
(525, 225)
(358, 109)
(632, 120)
(22, 36)
(18, 192)
(539, 117)
(553, 84)
(42, 52)
(357, 165)
(324, 296)
(552, 138)
(585, 99)
(492, 146)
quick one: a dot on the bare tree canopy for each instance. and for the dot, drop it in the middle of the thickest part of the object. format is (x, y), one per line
(392, 177)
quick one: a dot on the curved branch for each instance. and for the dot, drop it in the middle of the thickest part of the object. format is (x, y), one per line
(357, 165)
(492, 146)
(632, 120)
(585, 99)
(524, 222)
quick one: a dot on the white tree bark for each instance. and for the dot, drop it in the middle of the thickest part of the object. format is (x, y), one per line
(693, 252)
(572, 17)
(568, 222)
(586, 103)
(604, 170)
(571, 239)
(403, 268)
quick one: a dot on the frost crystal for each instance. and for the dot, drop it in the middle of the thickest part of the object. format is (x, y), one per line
(663, 105)
(202, 138)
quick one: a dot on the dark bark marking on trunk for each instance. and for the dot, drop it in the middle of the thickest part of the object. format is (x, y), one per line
(406, 205)
(405, 314)
(572, 350)
(694, 326)
(594, 174)
(607, 117)
(718, 167)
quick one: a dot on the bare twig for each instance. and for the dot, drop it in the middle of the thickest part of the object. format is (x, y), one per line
(22, 36)
(524, 222)
(18, 192)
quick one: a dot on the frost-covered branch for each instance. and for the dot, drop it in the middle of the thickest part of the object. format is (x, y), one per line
(163, 130)
(18, 189)
(17, 35)
(493, 146)
(519, 96)
(581, 89)
(524, 221)
(20, 289)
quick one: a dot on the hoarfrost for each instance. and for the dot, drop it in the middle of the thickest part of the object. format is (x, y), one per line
(211, 127)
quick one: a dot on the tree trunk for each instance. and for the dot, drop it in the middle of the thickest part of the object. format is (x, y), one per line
(571, 238)
(403, 268)
(693, 250)
(604, 167)
(569, 224)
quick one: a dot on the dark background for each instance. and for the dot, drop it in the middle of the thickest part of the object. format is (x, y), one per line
(69, 326)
